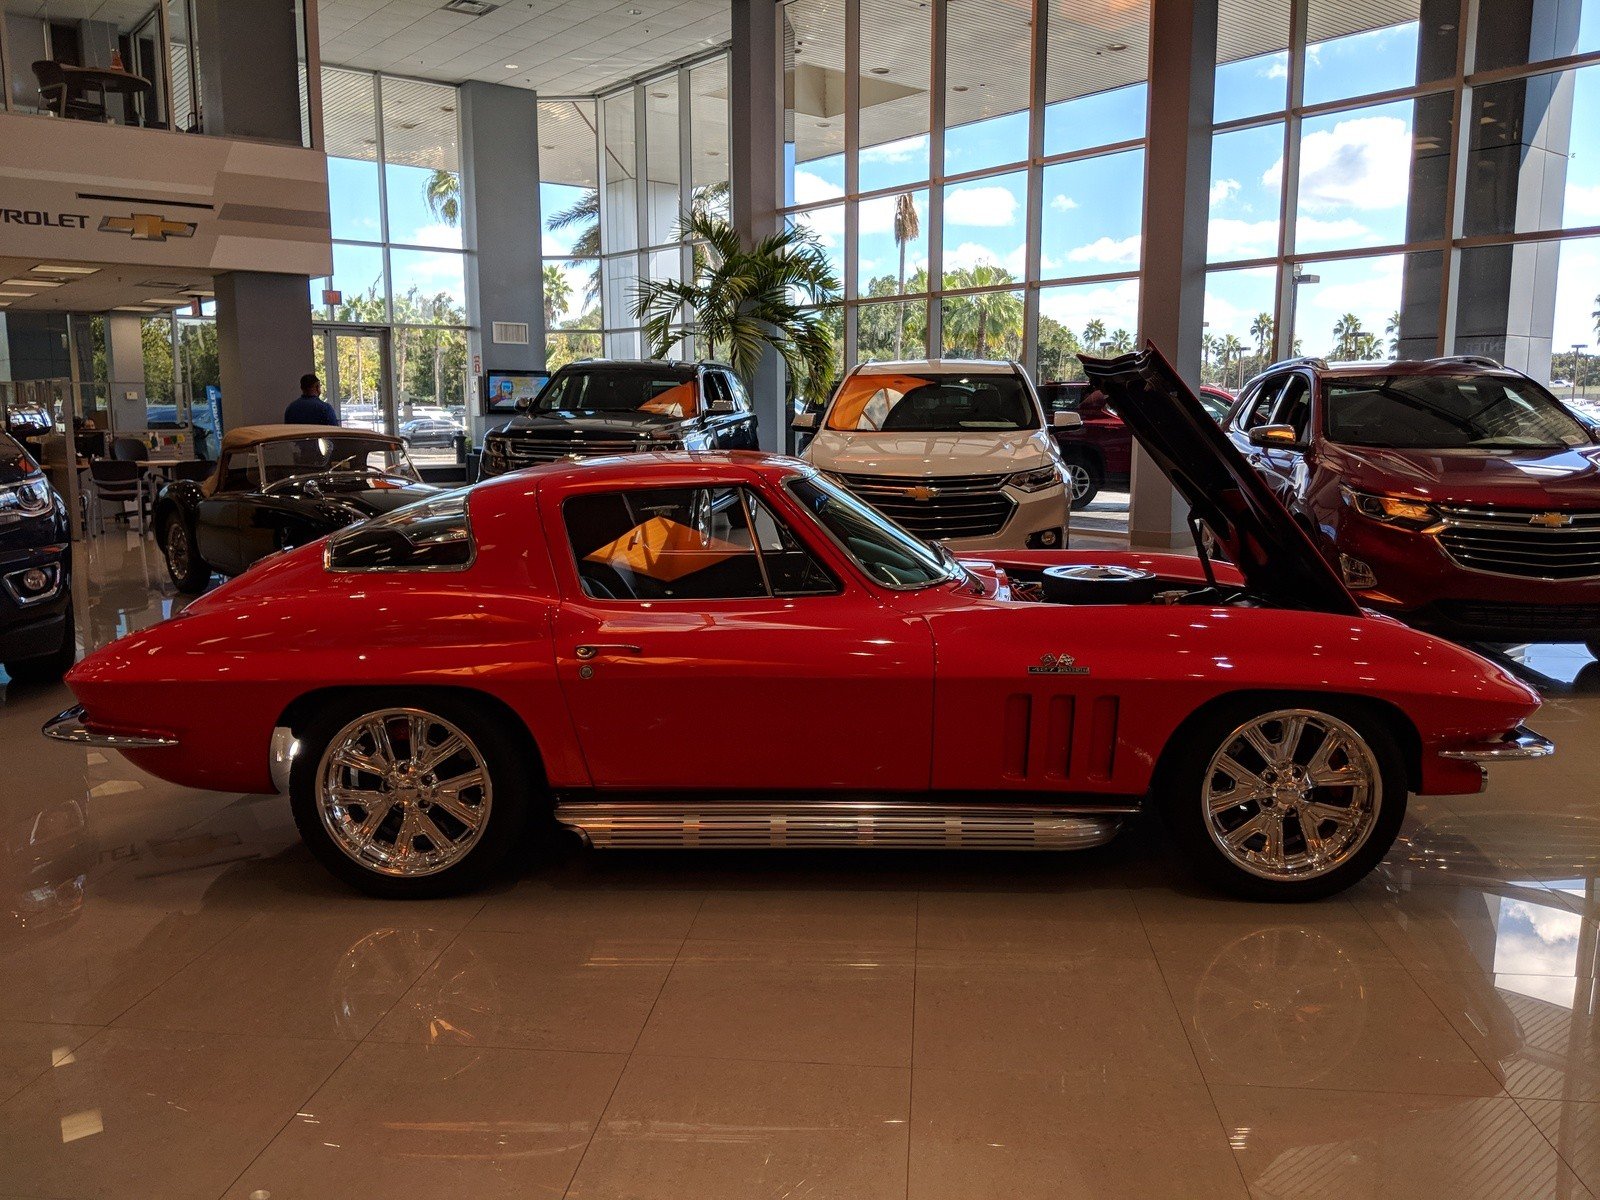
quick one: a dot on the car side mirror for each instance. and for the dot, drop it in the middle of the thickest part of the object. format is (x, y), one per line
(1275, 437)
(1067, 420)
(805, 420)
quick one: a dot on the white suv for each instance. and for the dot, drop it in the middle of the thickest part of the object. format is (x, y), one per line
(953, 451)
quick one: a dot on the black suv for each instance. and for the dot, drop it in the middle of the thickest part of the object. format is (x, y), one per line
(601, 406)
(35, 571)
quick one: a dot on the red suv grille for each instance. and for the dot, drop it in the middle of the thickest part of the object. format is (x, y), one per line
(1527, 544)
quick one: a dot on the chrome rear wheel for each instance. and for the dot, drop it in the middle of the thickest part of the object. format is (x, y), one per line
(404, 792)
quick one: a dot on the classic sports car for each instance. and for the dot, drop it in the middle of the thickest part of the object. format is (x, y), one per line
(275, 487)
(546, 642)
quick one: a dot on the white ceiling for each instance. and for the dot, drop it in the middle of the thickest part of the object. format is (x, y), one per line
(108, 288)
(572, 48)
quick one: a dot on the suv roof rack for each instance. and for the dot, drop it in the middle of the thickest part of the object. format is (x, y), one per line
(1474, 360)
(1304, 360)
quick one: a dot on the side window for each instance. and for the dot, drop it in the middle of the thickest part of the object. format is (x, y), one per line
(741, 398)
(717, 396)
(1295, 406)
(1259, 408)
(790, 566)
(664, 544)
(239, 473)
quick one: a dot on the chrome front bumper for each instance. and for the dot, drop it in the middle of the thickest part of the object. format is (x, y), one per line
(1520, 743)
(71, 727)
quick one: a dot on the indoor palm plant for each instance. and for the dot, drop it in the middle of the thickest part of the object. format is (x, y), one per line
(741, 301)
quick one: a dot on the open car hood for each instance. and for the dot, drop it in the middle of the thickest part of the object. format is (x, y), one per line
(1250, 524)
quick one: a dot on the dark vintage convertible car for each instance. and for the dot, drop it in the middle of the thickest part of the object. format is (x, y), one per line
(275, 487)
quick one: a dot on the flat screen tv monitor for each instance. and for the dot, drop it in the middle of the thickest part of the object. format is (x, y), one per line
(506, 391)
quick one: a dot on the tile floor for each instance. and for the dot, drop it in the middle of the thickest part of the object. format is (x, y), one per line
(189, 1007)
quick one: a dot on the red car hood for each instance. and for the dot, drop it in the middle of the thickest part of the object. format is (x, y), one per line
(1554, 479)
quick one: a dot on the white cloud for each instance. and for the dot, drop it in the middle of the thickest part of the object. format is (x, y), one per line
(811, 188)
(1361, 163)
(1117, 304)
(902, 150)
(445, 237)
(1277, 69)
(971, 254)
(1230, 238)
(826, 223)
(1063, 203)
(1112, 251)
(1583, 204)
(1224, 189)
(990, 207)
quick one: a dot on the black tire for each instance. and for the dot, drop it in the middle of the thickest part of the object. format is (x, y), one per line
(514, 792)
(1180, 794)
(188, 570)
(47, 668)
(1086, 478)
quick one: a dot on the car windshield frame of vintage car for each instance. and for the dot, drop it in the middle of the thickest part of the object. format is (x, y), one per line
(1402, 390)
(941, 563)
(398, 464)
(856, 396)
(649, 388)
(1224, 493)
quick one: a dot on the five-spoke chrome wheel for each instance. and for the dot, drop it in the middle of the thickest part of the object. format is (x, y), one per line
(1291, 794)
(403, 792)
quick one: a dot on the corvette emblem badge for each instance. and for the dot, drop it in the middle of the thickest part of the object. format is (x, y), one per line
(1550, 520)
(1058, 664)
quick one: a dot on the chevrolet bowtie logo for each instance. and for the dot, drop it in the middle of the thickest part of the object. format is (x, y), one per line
(1550, 520)
(147, 227)
(921, 493)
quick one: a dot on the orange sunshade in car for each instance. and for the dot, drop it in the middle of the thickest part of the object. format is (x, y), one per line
(853, 401)
(679, 401)
(664, 549)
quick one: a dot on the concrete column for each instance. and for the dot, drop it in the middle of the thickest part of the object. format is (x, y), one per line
(249, 54)
(755, 172)
(1177, 174)
(263, 344)
(124, 334)
(500, 212)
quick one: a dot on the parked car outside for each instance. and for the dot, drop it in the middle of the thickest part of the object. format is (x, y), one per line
(433, 685)
(954, 451)
(603, 406)
(431, 432)
(1454, 493)
(36, 636)
(1100, 452)
(275, 487)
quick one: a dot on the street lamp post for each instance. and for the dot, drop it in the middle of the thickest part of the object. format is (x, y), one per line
(1577, 361)
(1296, 280)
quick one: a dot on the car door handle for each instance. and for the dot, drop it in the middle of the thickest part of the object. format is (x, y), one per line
(595, 651)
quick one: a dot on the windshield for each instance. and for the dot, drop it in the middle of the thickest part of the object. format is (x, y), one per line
(324, 455)
(883, 550)
(991, 400)
(663, 393)
(1448, 412)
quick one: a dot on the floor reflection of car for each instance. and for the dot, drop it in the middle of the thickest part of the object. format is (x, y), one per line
(1099, 453)
(36, 637)
(45, 857)
(275, 487)
(428, 683)
(598, 407)
(431, 433)
(955, 451)
(1454, 493)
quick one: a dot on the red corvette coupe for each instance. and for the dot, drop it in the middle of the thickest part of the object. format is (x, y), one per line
(563, 640)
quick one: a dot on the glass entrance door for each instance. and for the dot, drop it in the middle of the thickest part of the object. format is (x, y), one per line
(354, 367)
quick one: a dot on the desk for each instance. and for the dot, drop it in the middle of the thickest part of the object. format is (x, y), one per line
(80, 81)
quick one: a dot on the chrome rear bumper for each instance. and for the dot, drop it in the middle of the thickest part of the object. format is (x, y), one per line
(70, 726)
(1520, 743)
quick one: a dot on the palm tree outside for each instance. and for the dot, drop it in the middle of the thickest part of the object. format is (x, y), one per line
(1347, 334)
(740, 302)
(907, 228)
(1094, 333)
(1262, 330)
(1392, 329)
(557, 294)
(1231, 349)
(442, 194)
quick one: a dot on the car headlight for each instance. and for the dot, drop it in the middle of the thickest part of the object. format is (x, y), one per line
(31, 497)
(1392, 510)
(1035, 480)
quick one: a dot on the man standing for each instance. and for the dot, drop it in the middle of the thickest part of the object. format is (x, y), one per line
(309, 408)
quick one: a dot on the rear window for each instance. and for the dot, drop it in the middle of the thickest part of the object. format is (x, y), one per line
(431, 536)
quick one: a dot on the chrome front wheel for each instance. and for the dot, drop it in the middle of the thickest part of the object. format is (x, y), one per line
(404, 792)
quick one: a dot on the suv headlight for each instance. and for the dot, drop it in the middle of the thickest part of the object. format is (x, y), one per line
(1392, 510)
(31, 497)
(1035, 480)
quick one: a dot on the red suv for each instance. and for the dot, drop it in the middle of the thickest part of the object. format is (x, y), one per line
(1455, 493)
(1101, 450)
